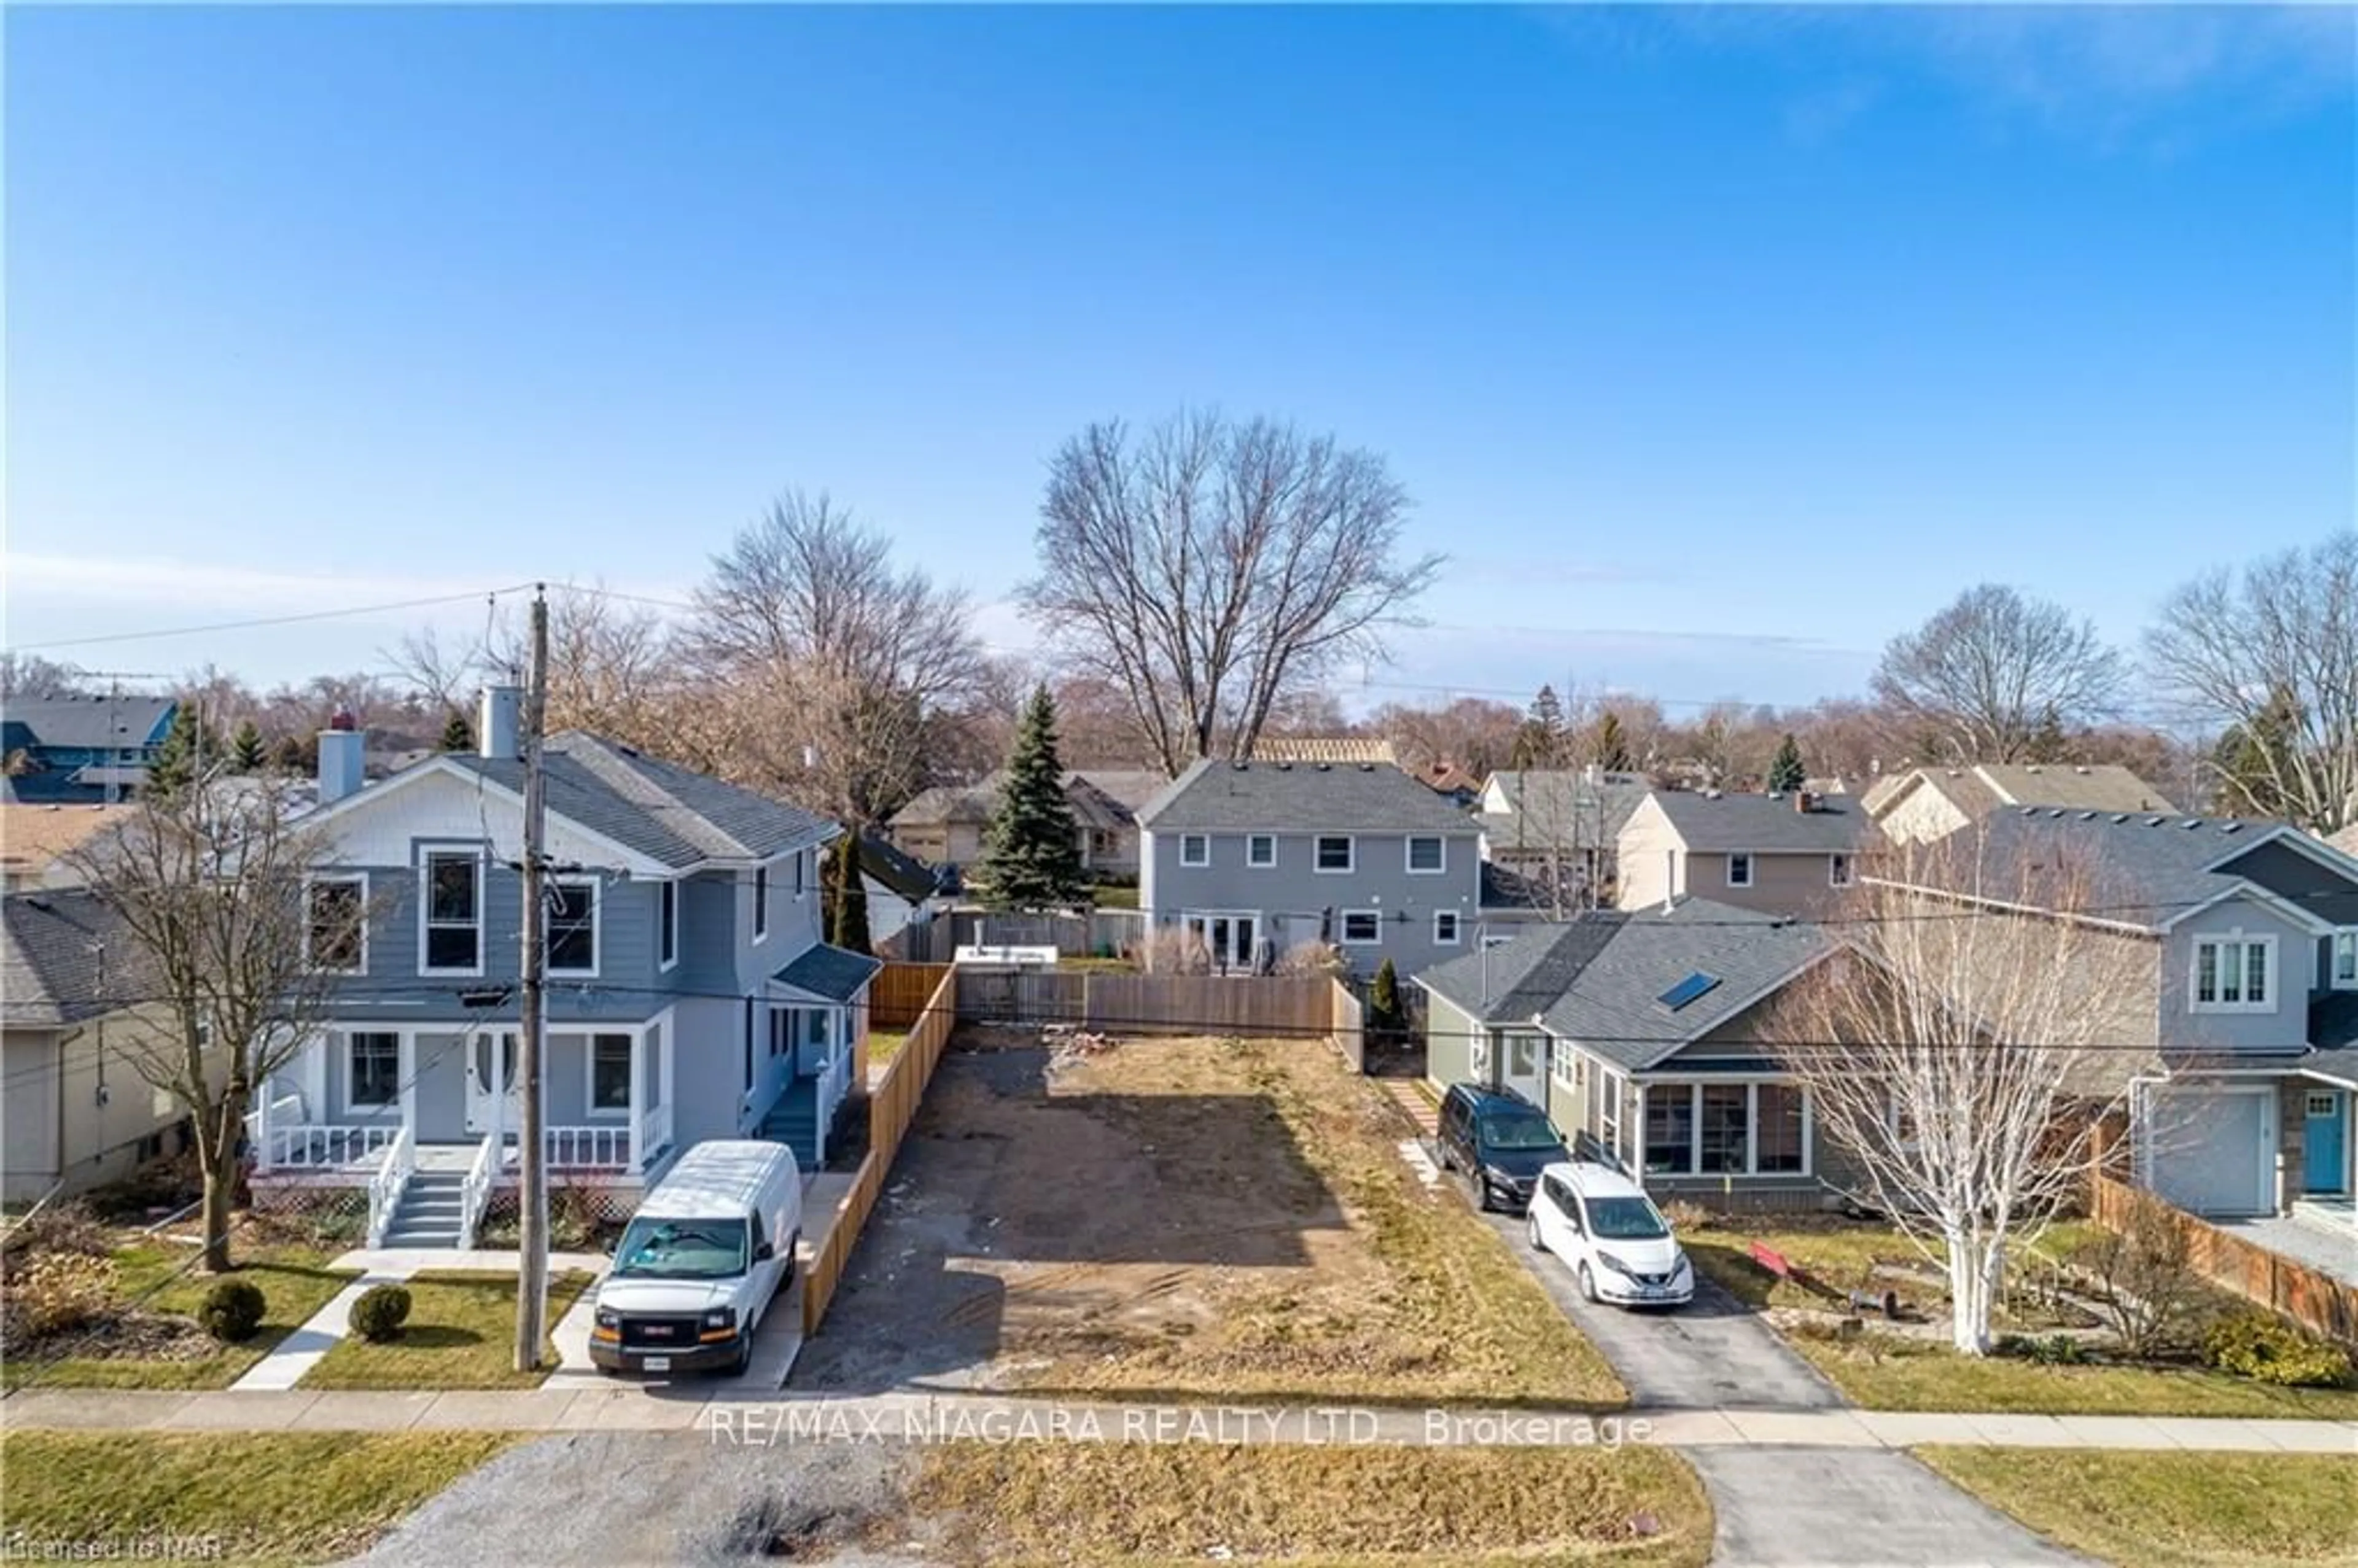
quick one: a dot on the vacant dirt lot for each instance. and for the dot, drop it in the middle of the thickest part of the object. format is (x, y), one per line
(1183, 1216)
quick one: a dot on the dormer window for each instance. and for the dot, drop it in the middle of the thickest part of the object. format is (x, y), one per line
(2234, 974)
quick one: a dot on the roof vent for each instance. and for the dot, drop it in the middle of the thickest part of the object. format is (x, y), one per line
(2153, 822)
(1325, 767)
(2191, 822)
(2087, 817)
(1367, 767)
(2120, 817)
(1690, 989)
(1285, 767)
(2231, 826)
(2081, 769)
(1240, 766)
(2031, 768)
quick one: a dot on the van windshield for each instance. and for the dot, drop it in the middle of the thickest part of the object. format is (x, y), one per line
(1625, 1219)
(1519, 1130)
(681, 1249)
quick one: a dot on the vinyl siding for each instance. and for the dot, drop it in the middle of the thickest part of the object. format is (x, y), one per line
(1294, 898)
(2282, 1027)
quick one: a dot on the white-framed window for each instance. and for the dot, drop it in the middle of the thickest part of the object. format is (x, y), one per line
(1261, 850)
(760, 904)
(1563, 1065)
(570, 925)
(1444, 927)
(1838, 871)
(1362, 927)
(1749, 1128)
(1336, 853)
(373, 1068)
(667, 926)
(2234, 973)
(1194, 850)
(1609, 1110)
(1739, 870)
(450, 911)
(801, 875)
(610, 1075)
(2342, 966)
(335, 925)
(1428, 854)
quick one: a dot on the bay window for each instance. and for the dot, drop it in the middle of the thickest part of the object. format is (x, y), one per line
(1726, 1130)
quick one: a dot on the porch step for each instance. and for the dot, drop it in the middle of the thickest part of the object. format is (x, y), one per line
(428, 1214)
(794, 1121)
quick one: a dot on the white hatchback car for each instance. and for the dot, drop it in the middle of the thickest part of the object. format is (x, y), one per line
(1611, 1235)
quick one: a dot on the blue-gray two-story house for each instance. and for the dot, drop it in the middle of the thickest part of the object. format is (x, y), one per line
(2246, 934)
(81, 750)
(1252, 859)
(690, 995)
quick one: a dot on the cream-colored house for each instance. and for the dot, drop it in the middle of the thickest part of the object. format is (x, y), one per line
(1925, 804)
(1783, 854)
(74, 1110)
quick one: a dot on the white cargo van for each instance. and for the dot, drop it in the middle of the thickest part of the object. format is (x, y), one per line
(701, 1261)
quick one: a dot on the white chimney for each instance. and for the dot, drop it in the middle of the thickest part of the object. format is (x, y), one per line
(499, 725)
(343, 749)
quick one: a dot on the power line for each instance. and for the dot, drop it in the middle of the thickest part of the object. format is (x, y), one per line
(266, 621)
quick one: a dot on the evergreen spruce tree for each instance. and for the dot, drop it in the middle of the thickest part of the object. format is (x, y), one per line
(846, 896)
(1383, 1021)
(457, 735)
(246, 751)
(290, 756)
(1786, 774)
(1540, 740)
(2047, 742)
(187, 745)
(1612, 744)
(1031, 854)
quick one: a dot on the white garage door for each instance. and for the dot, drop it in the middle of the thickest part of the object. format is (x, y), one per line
(2210, 1151)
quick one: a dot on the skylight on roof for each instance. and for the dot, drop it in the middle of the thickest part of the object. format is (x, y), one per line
(1687, 990)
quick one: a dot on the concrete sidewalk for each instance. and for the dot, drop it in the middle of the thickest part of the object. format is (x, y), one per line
(752, 1414)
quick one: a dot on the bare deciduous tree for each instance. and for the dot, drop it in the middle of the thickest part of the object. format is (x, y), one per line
(2272, 657)
(1209, 569)
(1961, 1056)
(28, 677)
(838, 664)
(1982, 675)
(209, 883)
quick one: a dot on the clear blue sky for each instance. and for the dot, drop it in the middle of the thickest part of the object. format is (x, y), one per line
(1716, 347)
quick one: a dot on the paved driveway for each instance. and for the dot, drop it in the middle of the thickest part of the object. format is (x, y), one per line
(1711, 1353)
(1853, 1508)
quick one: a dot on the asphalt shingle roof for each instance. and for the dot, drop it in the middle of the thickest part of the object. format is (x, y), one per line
(1557, 809)
(2147, 868)
(904, 874)
(834, 973)
(1986, 787)
(89, 722)
(1214, 796)
(1599, 979)
(1763, 824)
(664, 812)
(65, 958)
(1100, 797)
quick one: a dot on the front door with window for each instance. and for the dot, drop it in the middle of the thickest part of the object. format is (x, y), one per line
(1524, 1068)
(1231, 940)
(2325, 1142)
(492, 1097)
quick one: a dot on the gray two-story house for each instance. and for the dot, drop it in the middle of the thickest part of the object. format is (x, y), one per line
(2241, 1044)
(1254, 860)
(688, 994)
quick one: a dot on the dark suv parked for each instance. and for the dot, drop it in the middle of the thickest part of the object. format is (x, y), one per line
(1501, 1141)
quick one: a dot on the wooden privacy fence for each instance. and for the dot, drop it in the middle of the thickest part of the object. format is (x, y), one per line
(2308, 1296)
(897, 995)
(1103, 931)
(893, 1102)
(1150, 1004)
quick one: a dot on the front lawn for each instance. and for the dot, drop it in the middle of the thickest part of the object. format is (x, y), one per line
(1847, 1255)
(883, 1045)
(2172, 1511)
(460, 1335)
(256, 1498)
(153, 1343)
(1123, 1503)
(1881, 1372)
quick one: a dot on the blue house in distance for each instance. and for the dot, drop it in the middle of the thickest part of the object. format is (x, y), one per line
(81, 751)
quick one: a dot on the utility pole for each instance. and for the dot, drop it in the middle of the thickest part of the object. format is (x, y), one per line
(532, 1197)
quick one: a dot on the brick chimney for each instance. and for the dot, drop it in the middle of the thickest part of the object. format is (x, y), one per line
(1804, 801)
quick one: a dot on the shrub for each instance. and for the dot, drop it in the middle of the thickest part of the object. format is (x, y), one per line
(59, 1292)
(378, 1316)
(2140, 1276)
(1687, 1216)
(65, 1227)
(2048, 1350)
(232, 1310)
(1313, 959)
(2253, 1344)
(1172, 950)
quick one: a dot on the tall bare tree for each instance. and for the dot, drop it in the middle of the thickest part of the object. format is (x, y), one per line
(2271, 655)
(209, 884)
(1979, 677)
(29, 676)
(1209, 569)
(845, 661)
(1961, 1057)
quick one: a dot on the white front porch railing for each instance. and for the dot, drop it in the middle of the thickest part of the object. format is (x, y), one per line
(588, 1147)
(286, 1111)
(651, 1136)
(322, 1147)
(475, 1191)
(834, 1082)
(385, 1187)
